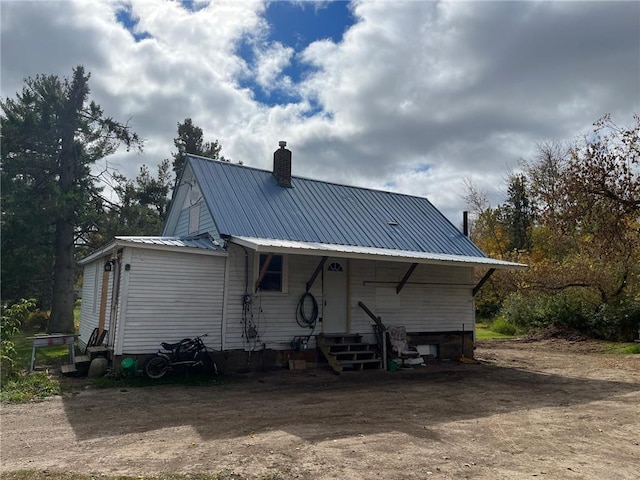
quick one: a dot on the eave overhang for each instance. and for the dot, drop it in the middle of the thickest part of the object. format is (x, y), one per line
(270, 245)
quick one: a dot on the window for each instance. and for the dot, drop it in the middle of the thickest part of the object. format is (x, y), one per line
(274, 279)
(335, 267)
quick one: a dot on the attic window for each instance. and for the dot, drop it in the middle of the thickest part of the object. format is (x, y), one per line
(393, 223)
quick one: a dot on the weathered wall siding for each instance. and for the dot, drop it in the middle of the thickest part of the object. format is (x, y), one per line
(88, 318)
(183, 225)
(172, 296)
(444, 303)
(91, 293)
(206, 224)
(274, 314)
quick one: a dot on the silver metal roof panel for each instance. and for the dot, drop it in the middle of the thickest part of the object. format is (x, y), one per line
(247, 202)
(370, 253)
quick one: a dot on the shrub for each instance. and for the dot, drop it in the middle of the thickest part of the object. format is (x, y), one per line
(618, 322)
(503, 326)
(12, 318)
(37, 321)
(576, 310)
(565, 309)
(30, 386)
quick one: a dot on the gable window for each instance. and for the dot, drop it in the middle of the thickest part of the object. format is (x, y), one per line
(275, 278)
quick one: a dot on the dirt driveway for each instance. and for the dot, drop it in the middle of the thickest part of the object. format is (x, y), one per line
(554, 410)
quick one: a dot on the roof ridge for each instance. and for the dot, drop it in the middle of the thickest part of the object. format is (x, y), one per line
(307, 179)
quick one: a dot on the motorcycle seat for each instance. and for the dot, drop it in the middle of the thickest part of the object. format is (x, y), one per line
(176, 346)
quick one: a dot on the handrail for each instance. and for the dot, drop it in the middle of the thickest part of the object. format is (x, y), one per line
(382, 338)
(378, 320)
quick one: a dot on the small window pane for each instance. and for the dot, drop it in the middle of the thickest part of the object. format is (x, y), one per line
(272, 280)
(335, 267)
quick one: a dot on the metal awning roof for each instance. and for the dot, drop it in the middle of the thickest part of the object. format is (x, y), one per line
(202, 244)
(370, 253)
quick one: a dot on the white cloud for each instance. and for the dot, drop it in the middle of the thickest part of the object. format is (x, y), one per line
(466, 88)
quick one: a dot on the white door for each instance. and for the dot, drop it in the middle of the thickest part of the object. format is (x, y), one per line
(334, 313)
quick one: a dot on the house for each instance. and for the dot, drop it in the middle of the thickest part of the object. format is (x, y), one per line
(271, 266)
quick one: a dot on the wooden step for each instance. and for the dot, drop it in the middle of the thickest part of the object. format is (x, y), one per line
(68, 369)
(99, 351)
(347, 347)
(82, 359)
(355, 356)
(353, 362)
(340, 339)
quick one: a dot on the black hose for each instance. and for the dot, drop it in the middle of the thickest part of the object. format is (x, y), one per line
(301, 315)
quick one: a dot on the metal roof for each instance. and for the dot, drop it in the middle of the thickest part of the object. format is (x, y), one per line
(200, 241)
(370, 253)
(247, 202)
(196, 244)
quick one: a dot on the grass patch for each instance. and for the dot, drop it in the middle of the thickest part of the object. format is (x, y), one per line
(49, 475)
(484, 331)
(623, 348)
(24, 387)
(28, 387)
(47, 357)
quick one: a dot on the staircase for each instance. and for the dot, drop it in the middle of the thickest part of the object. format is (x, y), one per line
(81, 363)
(346, 351)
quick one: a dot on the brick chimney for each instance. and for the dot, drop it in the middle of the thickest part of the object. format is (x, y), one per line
(282, 165)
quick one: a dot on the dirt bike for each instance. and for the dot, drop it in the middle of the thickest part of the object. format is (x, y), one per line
(186, 354)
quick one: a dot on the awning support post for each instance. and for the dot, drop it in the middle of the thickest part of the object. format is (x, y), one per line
(316, 273)
(406, 277)
(482, 281)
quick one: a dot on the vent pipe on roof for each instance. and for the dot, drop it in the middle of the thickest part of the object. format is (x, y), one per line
(465, 223)
(282, 165)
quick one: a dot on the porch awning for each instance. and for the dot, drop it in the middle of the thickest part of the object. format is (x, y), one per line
(271, 245)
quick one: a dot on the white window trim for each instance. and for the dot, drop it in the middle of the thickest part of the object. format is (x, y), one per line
(285, 273)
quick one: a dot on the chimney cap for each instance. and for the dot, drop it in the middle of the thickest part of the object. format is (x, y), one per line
(282, 143)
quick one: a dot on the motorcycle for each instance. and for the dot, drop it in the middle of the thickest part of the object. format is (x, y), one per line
(187, 353)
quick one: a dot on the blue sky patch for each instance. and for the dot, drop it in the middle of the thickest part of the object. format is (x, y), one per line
(192, 5)
(422, 167)
(295, 25)
(127, 20)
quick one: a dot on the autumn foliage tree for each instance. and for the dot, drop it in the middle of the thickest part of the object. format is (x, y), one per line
(573, 216)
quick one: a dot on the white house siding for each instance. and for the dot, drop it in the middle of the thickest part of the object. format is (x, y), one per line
(435, 299)
(274, 314)
(90, 305)
(170, 296)
(442, 302)
(192, 197)
(206, 224)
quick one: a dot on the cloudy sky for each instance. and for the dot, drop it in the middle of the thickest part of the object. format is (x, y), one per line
(408, 96)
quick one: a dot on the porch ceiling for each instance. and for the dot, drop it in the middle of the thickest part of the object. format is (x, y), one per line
(270, 245)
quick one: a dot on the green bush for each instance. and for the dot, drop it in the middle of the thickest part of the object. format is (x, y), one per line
(618, 322)
(576, 310)
(541, 311)
(503, 326)
(29, 386)
(37, 321)
(12, 318)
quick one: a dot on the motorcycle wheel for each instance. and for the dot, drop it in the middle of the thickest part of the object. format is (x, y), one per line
(156, 367)
(209, 365)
